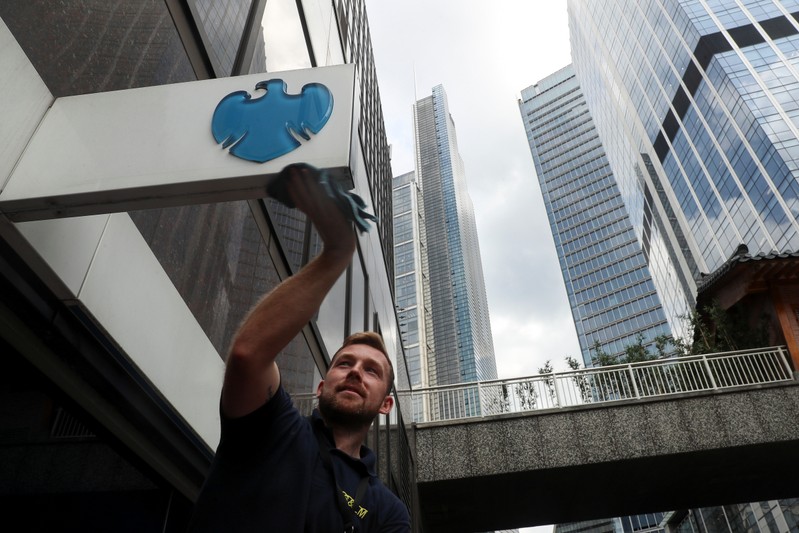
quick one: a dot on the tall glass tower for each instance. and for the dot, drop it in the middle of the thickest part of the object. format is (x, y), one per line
(409, 273)
(412, 290)
(613, 298)
(697, 105)
(460, 326)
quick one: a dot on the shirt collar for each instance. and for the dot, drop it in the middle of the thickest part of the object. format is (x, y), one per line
(368, 459)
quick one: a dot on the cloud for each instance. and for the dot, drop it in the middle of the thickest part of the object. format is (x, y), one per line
(524, 345)
(484, 58)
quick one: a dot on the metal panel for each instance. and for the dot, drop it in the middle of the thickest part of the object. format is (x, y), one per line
(153, 147)
(24, 99)
(67, 246)
(133, 301)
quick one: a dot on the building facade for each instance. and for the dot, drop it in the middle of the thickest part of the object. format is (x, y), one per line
(115, 327)
(695, 102)
(772, 515)
(412, 291)
(611, 293)
(463, 348)
(612, 296)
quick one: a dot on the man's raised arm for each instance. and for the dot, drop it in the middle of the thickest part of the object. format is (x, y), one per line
(251, 375)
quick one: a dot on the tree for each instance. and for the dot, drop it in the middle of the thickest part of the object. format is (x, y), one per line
(662, 342)
(600, 357)
(528, 397)
(504, 400)
(636, 352)
(714, 329)
(496, 400)
(549, 380)
(711, 329)
(580, 380)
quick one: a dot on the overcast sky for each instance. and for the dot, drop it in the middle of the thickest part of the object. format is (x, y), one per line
(484, 54)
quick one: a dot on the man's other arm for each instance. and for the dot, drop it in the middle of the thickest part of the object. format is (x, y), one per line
(251, 375)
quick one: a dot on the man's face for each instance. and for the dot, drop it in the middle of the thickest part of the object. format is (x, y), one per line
(354, 389)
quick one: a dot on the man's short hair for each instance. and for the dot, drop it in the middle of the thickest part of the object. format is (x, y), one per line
(374, 340)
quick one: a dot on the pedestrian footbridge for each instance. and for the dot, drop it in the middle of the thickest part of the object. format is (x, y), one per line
(629, 439)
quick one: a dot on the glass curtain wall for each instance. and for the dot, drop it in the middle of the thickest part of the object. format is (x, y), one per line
(696, 103)
(223, 257)
(612, 295)
(459, 310)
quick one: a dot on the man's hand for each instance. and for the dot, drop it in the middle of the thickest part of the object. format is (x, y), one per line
(330, 222)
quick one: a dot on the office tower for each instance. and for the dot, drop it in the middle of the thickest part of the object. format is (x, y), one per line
(412, 292)
(114, 327)
(460, 326)
(611, 293)
(696, 104)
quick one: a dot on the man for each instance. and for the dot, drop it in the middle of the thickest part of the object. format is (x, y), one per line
(275, 470)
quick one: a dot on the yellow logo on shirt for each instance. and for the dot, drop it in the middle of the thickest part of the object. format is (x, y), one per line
(361, 512)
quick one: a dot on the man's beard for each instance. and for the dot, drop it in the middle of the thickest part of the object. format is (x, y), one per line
(337, 413)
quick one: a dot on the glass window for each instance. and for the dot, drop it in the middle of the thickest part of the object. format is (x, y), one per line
(283, 38)
(330, 319)
(221, 26)
(324, 32)
(358, 318)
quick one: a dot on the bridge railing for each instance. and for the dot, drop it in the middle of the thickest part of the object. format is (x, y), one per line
(642, 380)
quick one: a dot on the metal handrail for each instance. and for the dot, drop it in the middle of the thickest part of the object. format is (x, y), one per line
(630, 381)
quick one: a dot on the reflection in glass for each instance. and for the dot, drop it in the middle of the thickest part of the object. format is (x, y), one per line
(331, 316)
(284, 41)
(221, 23)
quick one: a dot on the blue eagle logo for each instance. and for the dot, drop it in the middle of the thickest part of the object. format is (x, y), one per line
(265, 128)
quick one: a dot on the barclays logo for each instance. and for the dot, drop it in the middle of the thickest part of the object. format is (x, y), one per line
(266, 128)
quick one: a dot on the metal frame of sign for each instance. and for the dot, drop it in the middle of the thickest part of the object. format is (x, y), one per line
(153, 147)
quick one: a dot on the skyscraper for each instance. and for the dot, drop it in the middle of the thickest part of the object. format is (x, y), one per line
(611, 293)
(460, 325)
(412, 289)
(696, 104)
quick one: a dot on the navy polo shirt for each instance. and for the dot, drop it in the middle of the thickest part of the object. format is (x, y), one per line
(267, 475)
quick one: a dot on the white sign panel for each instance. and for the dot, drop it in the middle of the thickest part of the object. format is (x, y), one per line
(197, 142)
